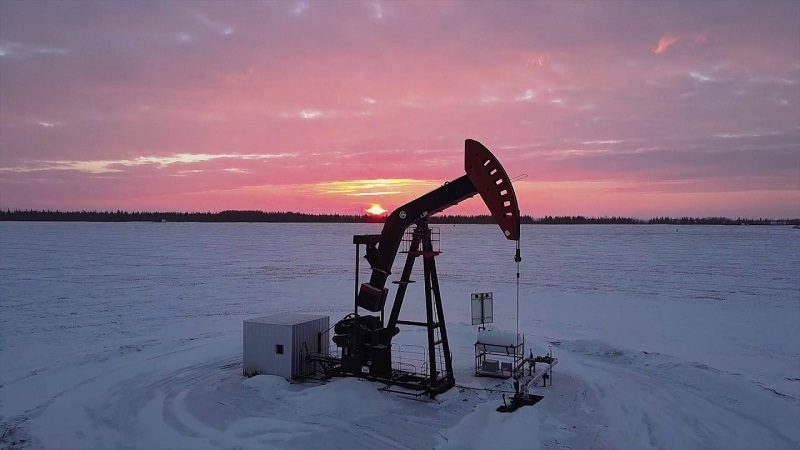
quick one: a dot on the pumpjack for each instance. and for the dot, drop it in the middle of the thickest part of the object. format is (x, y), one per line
(365, 337)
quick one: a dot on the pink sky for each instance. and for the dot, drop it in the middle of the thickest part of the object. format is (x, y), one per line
(610, 108)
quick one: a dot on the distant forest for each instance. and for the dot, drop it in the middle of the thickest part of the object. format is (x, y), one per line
(296, 217)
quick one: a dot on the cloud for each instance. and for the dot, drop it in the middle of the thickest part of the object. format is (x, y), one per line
(306, 114)
(753, 134)
(526, 96)
(701, 77)
(111, 166)
(668, 42)
(377, 10)
(225, 30)
(664, 44)
(310, 114)
(184, 37)
(603, 141)
(300, 8)
(380, 186)
(20, 50)
(537, 60)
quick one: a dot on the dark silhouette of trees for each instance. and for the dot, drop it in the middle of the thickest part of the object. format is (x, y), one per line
(297, 217)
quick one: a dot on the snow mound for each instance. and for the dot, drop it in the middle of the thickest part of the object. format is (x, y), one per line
(347, 398)
(268, 386)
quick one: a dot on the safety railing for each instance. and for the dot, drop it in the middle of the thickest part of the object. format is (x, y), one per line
(408, 236)
(410, 358)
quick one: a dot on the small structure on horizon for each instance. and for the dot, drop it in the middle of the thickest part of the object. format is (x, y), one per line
(278, 344)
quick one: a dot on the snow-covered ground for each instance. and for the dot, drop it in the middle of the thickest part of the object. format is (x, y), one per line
(129, 336)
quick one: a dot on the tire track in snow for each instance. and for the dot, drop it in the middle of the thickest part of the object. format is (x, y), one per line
(711, 408)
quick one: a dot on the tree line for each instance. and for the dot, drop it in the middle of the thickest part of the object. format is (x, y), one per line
(297, 217)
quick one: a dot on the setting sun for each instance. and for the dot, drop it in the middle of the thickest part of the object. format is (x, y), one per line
(376, 209)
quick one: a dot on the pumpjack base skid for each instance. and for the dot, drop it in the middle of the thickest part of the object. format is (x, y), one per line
(415, 386)
(400, 382)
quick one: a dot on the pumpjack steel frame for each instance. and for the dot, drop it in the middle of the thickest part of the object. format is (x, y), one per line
(439, 378)
(365, 339)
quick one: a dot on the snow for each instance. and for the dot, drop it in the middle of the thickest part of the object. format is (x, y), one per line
(501, 338)
(286, 318)
(129, 336)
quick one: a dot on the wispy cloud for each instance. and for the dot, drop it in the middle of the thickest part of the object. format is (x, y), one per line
(700, 77)
(664, 44)
(218, 27)
(299, 8)
(99, 166)
(380, 186)
(306, 114)
(21, 50)
(752, 134)
(377, 10)
(603, 142)
(528, 95)
(667, 42)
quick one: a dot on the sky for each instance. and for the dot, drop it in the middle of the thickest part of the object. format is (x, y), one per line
(600, 108)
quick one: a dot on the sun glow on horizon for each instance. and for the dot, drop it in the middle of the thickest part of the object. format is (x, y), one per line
(376, 209)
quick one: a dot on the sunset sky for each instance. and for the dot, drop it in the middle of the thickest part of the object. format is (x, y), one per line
(610, 108)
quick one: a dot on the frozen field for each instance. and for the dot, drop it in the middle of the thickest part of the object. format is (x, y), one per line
(129, 336)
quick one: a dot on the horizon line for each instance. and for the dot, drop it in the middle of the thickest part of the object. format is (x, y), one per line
(7, 211)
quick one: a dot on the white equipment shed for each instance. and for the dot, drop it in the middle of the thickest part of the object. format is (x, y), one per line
(278, 344)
